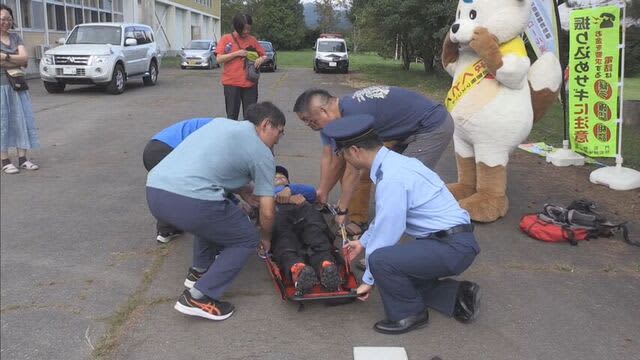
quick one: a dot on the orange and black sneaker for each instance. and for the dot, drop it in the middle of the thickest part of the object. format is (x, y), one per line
(330, 276)
(192, 277)
(304, 277)
(206, 307)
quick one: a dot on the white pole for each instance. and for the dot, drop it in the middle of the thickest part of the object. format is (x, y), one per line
(46, 25)
(396, 57)
(621, 83)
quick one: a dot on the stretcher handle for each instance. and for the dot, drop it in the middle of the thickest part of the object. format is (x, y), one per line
(346, 251)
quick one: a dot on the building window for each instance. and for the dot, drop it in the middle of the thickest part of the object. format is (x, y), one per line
(106, 4)
(32, 14)
(74, 17)
(37, 8)
(55, 17)
(78, 15)
(25, 10)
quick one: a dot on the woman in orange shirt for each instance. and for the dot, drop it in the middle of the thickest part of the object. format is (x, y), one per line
(232, 50)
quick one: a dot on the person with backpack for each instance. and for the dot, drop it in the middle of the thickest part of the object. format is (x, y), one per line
(232, 50)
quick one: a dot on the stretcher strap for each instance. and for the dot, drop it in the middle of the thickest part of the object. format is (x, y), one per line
(346, 250)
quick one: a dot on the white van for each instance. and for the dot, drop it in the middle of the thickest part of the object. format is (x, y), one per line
(331, 54)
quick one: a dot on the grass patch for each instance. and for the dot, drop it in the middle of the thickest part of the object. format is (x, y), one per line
(170, 62)
(371, 68)
(117, 322)
(295, 59)
(632, 88)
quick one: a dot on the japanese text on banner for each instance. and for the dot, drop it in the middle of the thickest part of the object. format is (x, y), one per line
(542, 29)
(593, 80)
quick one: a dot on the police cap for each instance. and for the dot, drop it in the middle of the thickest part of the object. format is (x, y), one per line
(349, 130)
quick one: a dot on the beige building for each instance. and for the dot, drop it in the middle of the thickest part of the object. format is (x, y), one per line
(175, 22)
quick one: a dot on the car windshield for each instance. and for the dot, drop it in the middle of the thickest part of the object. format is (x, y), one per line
(95, 35)
(331, 46)
(266, 46)
(198, 45)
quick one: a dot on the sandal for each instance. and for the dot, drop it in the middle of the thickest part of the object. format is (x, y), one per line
(10, 169)
(28, 165)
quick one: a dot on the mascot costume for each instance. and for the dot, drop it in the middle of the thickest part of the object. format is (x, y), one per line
(495, 97)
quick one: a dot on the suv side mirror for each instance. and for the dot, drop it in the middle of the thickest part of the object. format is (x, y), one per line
(130, 42)
(60, 41)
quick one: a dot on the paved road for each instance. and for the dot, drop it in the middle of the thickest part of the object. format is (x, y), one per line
(81, 270)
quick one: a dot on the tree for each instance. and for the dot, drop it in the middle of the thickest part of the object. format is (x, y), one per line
(228, 8)
(328, 18)
(279, 21)
(419, 26)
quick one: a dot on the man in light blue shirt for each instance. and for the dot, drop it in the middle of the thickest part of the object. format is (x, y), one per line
(188, 188)
(411, 200)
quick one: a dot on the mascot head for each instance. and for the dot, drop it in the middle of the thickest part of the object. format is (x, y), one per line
(505, 19)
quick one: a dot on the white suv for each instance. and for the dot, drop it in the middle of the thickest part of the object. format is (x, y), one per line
(105, 54)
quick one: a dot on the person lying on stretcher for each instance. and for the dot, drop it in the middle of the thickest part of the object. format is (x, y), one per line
(301, 242)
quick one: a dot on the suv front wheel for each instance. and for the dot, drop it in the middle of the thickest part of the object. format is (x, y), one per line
(116, 85)
(153, 75)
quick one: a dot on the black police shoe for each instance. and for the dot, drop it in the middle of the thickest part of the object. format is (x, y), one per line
(467, 302)
(402, 326)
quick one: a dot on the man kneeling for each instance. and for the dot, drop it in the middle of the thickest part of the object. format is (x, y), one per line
(301, 242)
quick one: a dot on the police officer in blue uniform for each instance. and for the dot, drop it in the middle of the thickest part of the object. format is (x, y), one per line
(410, 199)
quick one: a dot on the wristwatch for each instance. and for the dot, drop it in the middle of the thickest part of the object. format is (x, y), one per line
(341, 212)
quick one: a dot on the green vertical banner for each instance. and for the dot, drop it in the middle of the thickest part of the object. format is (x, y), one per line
(594, 61)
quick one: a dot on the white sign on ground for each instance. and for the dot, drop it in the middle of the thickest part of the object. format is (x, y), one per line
(379, 353)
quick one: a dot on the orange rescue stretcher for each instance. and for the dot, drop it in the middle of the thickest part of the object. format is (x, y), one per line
(345, 294)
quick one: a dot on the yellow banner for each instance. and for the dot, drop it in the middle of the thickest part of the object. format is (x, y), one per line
(594, 58)
(475, 72)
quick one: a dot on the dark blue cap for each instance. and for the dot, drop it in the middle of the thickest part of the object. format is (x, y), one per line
(282, 170)
(348, 130)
